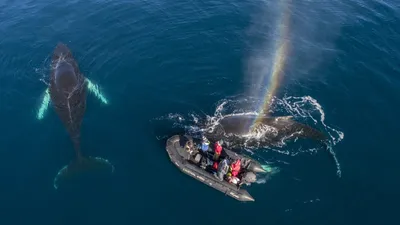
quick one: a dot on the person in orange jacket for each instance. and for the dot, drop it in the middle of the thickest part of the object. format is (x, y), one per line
(235, 168)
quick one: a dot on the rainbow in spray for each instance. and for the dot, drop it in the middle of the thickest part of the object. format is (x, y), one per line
(279, 59)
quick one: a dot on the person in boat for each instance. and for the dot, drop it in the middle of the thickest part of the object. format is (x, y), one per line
(205, 144)
(223, 168)
(235, 168)
(217, 150)
(189, 147)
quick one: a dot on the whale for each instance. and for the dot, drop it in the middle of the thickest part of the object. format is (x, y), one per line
(67, 90)
(236, 130)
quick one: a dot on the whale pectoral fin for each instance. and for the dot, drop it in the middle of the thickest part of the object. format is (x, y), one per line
(95, 90)
(44, 105)
(81, 169)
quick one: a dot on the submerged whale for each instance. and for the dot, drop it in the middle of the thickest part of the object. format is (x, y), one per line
(235, 130)
(67, 90)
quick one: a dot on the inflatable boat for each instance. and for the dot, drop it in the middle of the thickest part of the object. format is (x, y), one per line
(201, 166)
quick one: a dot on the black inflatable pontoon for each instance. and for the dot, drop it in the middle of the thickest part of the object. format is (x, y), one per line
(193, 165)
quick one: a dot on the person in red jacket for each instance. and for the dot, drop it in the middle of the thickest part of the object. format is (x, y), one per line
(217, 150)
(235, 168)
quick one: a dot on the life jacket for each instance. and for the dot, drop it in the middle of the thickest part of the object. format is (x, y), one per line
(215, 165)
(235, 168)
(217, 148)
(204, 145)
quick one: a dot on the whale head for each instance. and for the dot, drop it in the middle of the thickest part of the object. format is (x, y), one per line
(61, 52)
(65, 77)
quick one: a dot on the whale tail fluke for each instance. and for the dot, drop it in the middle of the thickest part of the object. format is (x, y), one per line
(81, 168)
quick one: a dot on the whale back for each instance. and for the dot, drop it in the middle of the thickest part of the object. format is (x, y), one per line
(67, 89)
(233, 128)
(65, 77)
(237, 125)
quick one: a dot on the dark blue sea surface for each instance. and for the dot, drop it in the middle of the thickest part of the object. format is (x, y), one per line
(166, 65)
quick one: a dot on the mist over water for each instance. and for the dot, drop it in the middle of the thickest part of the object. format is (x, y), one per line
(311, 29)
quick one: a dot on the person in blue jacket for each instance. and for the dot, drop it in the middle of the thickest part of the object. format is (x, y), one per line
(205, 144)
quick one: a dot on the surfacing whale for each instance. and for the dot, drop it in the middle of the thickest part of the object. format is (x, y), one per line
(67, 90)
(236, 132)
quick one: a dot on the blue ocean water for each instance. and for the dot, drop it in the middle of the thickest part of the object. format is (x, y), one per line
(163, 65)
